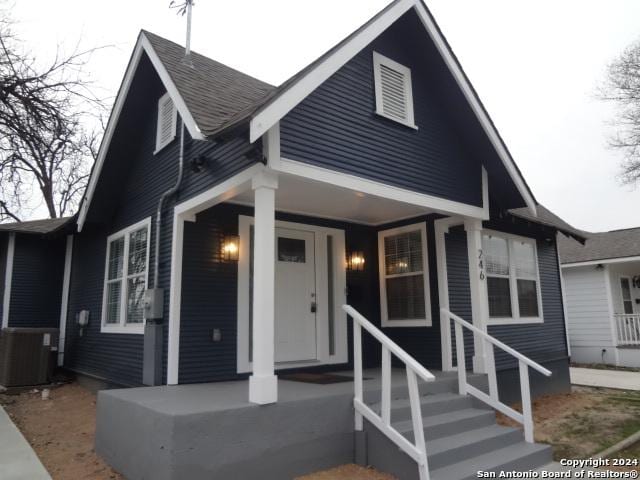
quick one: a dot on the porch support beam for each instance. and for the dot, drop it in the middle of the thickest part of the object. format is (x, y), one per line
(478, 286)
(263, 383)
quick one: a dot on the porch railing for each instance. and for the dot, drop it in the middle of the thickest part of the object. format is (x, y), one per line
(628, 328)
(524, 363)
(418, 449)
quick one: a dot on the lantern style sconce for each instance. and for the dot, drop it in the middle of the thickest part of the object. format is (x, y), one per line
(355, 262)
(230, 248)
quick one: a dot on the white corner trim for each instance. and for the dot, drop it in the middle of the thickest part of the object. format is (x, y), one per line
(123, 326)
(64, 302)
(601, 262)
(377, 189)
(612, 324)
(563, 296)
(297, 92)
(142, 46)
(271, 146)
(474, 101)
(175, 300)
(382, 276)
(8, 277)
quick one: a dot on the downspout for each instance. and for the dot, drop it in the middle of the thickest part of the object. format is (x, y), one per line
(172, 191)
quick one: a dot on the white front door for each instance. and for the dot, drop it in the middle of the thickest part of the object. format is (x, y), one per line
(295, 296)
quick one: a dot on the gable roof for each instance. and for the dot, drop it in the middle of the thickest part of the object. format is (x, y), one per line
(544, 216)
(616, 244)
(44, 226)
(213, 99)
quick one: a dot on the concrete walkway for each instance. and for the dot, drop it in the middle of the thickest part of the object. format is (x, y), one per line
(605, 378)
(18, 461)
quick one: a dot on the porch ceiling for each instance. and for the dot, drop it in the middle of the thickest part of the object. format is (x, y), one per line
(308, 197)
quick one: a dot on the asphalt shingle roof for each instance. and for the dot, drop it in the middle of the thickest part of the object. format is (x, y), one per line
(47, 225)
(602, 246)
(550, 219)
(214, 93)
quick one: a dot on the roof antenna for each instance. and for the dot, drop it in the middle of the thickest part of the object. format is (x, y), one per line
(183, 8)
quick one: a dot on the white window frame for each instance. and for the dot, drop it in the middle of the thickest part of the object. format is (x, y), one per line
(174, 119)
(123, 326)
(622, 300)
(515, 318)
(384, 313)
(378, 60)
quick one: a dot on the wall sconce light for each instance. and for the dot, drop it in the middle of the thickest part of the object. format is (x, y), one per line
(355, 262)
(230, 248)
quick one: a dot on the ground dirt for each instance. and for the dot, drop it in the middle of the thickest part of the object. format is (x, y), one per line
(348, 472)
(61, 431)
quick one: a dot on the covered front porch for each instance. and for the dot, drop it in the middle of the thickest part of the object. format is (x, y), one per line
(294, 245)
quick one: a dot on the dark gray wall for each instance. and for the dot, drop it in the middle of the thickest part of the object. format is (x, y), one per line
(36, 286)
(4, 238)
(131, 183)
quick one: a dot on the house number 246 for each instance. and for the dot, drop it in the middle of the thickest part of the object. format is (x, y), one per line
(481, 263)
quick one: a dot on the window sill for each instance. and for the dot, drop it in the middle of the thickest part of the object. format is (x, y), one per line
(136, 329)
(514, 321)
(389, 117)
(406, 323)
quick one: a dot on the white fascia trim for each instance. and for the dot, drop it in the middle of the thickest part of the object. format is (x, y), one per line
(64, 302)
(377, 189)
(8, 276)
(602, 262)
(143, 45)
(473, 100)
(273, 112)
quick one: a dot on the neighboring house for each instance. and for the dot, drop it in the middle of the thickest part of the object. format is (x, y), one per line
(602, 289)
(33, 280)
(226, 223)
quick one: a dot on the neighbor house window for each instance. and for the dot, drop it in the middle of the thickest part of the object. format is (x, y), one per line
(126, 274)
(625, 290)
(167, 121)
(394, 95)
(404, 276)
(513, 282)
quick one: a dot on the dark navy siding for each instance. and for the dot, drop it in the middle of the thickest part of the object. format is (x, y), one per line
(36, 286)
(131, 183)
(4, 239)
(543, 342)
(335, 126)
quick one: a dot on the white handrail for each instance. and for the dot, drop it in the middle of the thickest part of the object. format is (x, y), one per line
(418, 449)
(524, 363)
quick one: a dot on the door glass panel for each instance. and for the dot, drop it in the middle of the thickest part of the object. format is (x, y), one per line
(291, 250)
(625, 287)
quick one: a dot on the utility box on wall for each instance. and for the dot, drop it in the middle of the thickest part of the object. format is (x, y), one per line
(153, 303)
(27, 356)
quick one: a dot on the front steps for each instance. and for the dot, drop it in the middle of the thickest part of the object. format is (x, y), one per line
(461, 433)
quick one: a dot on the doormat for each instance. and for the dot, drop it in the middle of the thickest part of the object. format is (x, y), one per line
(317, 378)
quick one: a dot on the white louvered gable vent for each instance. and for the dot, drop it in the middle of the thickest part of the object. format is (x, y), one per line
(394, 97)
(167, 119)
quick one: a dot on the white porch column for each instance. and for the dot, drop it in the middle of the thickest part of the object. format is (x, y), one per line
(263, 384)
(478, 284)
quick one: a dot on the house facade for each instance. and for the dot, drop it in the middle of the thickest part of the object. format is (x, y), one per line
(234, 232)
(602, 289)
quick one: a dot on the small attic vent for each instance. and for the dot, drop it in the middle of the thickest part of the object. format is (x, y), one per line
(394, 97)
(167, 120)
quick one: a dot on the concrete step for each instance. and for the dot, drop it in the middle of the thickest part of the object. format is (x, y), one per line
(433, 404)
(520, 456)
(449, 423)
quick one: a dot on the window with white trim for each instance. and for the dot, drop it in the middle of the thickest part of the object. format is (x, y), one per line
(513, 280)
(125, 279)
(167, 121)
(404, 276)
(394, 94)
(625, 290)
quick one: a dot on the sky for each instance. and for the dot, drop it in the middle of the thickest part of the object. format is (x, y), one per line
(536, 66)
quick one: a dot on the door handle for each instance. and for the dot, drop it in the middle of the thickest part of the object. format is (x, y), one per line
(314, 307)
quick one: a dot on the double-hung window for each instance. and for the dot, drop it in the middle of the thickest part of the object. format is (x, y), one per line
(404, 276)
(126, 274)
(513, 280)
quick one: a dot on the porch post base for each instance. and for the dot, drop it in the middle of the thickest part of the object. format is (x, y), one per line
(263, 389)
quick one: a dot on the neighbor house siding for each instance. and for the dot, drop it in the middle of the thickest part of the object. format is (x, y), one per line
(36, 286)
(336, 126)
(589, 314)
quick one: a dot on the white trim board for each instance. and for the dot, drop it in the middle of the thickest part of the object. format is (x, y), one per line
(274, 111)
(142, 46)
(8, 277)
(604, 261)
(64, 302)
(322, 295)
